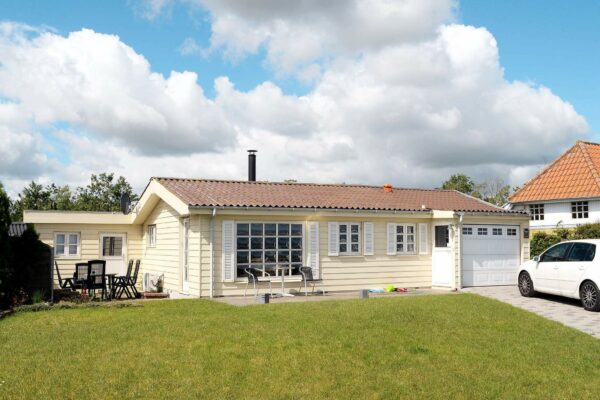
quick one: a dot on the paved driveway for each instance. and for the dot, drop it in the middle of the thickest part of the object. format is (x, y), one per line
(566, 311)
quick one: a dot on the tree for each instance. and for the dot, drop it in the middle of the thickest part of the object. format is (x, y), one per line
(493, 191)
(4, 246)
(460, 182)
(102, 194)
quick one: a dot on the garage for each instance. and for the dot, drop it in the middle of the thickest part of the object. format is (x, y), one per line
(490, 255)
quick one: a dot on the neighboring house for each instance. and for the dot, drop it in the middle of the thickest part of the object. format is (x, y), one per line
(566, 193)
(201, 234)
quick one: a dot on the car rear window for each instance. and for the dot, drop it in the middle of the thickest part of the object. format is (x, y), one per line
(582, 252)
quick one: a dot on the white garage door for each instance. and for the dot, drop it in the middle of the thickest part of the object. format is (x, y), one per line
(490, 255)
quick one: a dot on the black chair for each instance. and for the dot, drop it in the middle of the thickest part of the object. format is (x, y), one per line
(80, 277)
(63, 284)
(307, 277)
(128, 284)
(252, 274)
(97, 277)
(119, 282)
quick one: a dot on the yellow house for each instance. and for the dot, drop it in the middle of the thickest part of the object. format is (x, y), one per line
(202, 235)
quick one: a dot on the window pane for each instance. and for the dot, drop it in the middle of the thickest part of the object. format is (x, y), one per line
(343, 248)
(297, 256)
(243, 243)
(410, 229)
(256, 257)
(270, 243)
(410, 248)
(556, 253)
(354, 238)
(60, 239)
(257, 229)
(441, 236)
(399, 238)
(243, 229)
(296, 229)
(400, 247)
(410, 238)
(241, 270)
(256, 243)
(242, 257)
(283, 229)
(354, 228)
(73, 239)
(343, 228)
(283, 256)
(270, 229)
(354, 247)
(283, 243)
(270, 257)
(343, 238)
(72, 249)
(400, 229)
(59, 249)
(297, 243)
(579, 252)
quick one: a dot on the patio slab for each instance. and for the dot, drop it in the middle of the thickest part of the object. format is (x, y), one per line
(349, 295)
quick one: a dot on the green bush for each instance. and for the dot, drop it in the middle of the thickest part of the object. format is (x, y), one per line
(542, 240)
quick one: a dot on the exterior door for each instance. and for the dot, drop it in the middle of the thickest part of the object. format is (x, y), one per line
(186, 255)
(441, 257)
(570, 272)
(113, 249)
(545, 277)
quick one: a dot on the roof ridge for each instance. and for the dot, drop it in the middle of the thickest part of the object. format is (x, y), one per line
(542, 172)
(590, 164)
(358, 185)
(487, 203)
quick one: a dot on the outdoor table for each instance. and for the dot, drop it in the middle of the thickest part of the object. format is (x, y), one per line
(281, 269)
(110, 279)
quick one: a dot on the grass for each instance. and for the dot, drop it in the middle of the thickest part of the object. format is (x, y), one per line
(434, 347)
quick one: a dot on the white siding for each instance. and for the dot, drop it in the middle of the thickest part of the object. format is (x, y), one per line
(556, 213)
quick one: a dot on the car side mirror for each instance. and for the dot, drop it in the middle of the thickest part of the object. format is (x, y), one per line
(536, 258)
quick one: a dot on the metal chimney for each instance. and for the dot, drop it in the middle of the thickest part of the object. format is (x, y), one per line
(251, 165)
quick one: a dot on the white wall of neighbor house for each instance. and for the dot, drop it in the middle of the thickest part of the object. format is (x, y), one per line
(342, 272)
(558, 213)
(89, 246)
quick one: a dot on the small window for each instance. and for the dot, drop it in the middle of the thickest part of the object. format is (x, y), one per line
(151, 235)
(536, 212)
(349, 239)
(405, 238)
(579, 209)
(467, 231)
(497, 231)
(482, 231)
(511, 231)
(442, 236)
(582, 252)
(66, 244)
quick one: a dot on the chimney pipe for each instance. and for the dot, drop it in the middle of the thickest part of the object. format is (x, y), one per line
(251, 165)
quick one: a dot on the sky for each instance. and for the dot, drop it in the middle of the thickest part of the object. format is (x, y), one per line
(354, 91)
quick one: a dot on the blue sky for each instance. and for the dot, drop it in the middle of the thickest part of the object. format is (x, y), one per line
(550, 44)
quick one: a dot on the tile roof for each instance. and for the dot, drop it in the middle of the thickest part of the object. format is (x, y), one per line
(222, 193)
(575, 174)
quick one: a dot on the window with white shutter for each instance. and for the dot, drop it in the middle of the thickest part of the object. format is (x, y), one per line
(313, 237)
(333, 248)
(401, 239)
(391, 239)
(228, 252)
(369, 240)
(423, 239)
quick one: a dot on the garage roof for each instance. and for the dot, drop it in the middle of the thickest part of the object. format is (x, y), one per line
(575, 174)
(227, 193)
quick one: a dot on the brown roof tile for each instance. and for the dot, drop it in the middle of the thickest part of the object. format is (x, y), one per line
(221, 193)
(575, 174)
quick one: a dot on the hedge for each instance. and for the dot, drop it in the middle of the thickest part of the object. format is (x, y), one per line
(542, 240)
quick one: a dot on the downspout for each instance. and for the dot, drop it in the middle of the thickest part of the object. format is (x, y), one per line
(459, 236)
(212, 257)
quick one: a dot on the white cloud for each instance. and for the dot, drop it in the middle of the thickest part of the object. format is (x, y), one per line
(151, 9)
(397, 96)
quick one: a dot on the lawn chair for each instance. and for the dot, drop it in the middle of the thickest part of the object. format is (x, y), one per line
(252, 274)
(307, 277)
(67, 283)
(80, 278)
(123, 284)
(97, 277)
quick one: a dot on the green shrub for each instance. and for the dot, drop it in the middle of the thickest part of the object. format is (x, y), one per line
(542, 240)
(587, 231)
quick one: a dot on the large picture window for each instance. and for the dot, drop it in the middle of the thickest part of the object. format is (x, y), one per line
(349, 234)
(273, 248)
(66, 244)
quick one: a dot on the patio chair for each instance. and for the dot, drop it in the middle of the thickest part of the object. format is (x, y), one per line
(63, 284)
(80, 277)
(97, 277)
(252, 274)
(123, 284)
(307, 277)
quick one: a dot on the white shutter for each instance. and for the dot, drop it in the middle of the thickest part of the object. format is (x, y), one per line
(313, 257)
(423, 242)
(228, 256)
(391, 239)
(333, 248)
(369, 241)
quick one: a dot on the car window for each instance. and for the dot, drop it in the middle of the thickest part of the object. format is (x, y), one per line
(556, 253)
(582, 252)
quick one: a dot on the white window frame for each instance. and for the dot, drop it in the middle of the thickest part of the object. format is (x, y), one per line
(580, 210)
(536, 212)
(405, 242)
(151, 232)
(482, 231)
(348, 242)
(511, 231)
(497, 231)
(467, 230)
(273, 277)
(65, 253)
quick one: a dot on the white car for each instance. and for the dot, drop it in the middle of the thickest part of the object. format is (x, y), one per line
(569, 269)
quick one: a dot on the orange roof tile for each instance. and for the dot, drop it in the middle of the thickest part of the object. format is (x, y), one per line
(221, 193)
(575, 174)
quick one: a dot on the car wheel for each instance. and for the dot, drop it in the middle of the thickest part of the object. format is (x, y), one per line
(526, 285)
(590, 296)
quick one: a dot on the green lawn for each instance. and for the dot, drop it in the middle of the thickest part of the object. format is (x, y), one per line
(452, 346)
